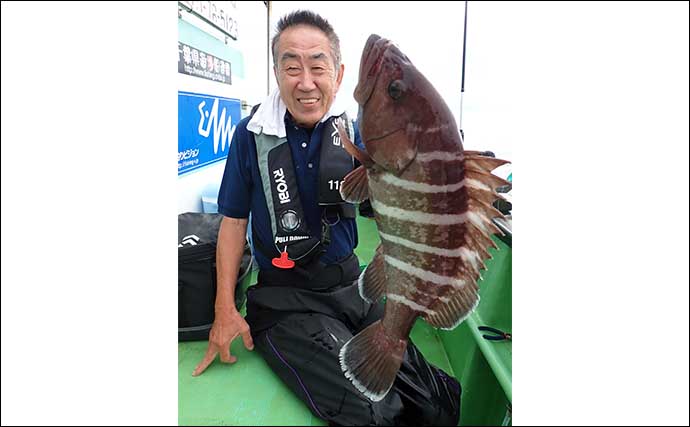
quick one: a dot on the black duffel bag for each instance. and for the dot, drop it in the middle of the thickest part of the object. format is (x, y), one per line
(196, 256)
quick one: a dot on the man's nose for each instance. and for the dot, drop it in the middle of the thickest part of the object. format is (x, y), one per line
(306, 81)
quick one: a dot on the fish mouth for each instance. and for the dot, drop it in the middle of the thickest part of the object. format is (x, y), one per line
(369, 47)
(370, 64)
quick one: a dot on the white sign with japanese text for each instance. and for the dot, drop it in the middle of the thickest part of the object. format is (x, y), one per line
(220, 14)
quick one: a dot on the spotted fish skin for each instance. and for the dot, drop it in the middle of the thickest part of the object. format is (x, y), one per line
(433, 207)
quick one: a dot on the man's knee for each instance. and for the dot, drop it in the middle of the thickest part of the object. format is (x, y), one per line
(447, 411)
(439, 405)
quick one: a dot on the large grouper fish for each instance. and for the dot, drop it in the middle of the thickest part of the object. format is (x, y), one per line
(432, 202)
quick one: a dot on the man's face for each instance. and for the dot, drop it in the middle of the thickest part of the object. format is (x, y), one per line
(306, 73)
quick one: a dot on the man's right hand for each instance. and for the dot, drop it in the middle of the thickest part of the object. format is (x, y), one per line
(226, 327)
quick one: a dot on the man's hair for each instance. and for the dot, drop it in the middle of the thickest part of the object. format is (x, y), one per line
(306, 17)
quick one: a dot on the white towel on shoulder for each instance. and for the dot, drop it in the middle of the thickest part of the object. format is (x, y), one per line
(270, 116)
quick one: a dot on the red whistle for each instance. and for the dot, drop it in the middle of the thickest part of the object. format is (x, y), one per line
(283, 261)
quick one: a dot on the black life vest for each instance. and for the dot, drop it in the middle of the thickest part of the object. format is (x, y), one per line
(288, 222)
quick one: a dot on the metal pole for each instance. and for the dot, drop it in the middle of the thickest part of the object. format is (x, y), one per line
(462, 87)
(268, 48)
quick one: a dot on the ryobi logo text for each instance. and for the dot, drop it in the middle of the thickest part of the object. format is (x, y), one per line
(281, 186)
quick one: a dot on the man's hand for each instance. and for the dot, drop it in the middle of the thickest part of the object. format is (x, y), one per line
(226, 327)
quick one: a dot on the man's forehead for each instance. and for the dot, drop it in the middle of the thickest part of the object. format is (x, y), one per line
(304, 41)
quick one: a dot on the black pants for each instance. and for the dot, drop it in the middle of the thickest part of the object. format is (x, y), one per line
(302, 348)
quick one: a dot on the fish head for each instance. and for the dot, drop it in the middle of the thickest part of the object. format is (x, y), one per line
(397, 104)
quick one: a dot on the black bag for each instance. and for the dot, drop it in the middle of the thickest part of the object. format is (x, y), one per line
(196, 252)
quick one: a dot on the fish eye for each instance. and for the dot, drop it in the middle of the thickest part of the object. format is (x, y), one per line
(395, 89)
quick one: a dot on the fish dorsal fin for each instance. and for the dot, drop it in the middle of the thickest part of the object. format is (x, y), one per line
(479, 243)
(486, 195)
(482, 161)
(484, 224)
(477, 173)
(481, 189)
(372, 281)
(480, 206)
(355, 186)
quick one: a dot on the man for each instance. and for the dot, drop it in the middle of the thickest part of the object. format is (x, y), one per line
(284, 166)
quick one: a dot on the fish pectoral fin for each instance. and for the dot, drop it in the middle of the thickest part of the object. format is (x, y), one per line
(371, 360)
(356, 152)
(355, 186)
(450, 314)
(372, 281)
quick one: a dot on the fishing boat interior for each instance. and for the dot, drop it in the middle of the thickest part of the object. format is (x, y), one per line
(478, 353)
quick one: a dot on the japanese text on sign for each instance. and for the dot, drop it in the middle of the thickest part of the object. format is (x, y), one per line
(198, 63)
(221, 14)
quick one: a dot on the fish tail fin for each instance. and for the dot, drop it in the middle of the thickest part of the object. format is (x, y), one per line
(371, 360)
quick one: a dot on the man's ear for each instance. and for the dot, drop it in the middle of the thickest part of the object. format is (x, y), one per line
(339, 79)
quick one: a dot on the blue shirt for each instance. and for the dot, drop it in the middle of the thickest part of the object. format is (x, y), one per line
(241, 190)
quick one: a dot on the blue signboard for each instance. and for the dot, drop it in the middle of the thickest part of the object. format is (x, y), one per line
(205, 127)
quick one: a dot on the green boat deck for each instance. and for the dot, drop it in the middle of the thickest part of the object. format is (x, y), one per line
(248, 393)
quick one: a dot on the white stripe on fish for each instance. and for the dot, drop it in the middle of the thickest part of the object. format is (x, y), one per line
(477, 184)
(413, 305)
(439, 155)
(432, 129)
(425, 275)
(462, 252)
(421, 187)
(440, 298)
(423, 217)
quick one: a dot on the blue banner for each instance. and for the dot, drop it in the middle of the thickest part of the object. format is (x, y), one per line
(205, 127)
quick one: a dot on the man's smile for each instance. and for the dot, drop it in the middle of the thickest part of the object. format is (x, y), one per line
(308, 101)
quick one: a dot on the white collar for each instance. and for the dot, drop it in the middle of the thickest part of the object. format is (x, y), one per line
(269, 118)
